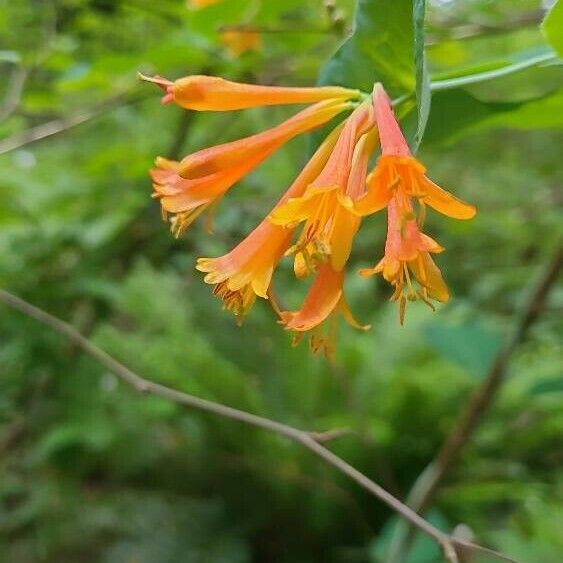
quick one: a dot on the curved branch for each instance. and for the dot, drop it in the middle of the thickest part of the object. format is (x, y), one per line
(450, 545)
(60, 125)
(428, 482)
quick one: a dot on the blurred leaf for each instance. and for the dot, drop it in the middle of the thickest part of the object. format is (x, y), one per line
(458, 113)
(472, 346)
(387, 46)
(422, 550)
(188, 530)
(491, 70)
(552, 27)
(547, 386)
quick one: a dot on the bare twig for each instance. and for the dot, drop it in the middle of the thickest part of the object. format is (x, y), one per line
(456, 31)
(246, 28)
(62, 124)
(449, 31)
(309, 440)
(428, 482)
(329, 435)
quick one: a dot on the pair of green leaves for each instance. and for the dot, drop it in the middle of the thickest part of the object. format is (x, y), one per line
(387, 45)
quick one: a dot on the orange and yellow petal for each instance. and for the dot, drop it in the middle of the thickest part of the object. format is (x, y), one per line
(321, 300)
(346, 225)
(318, 317)
(391, 137)
(337, 169)
(315, 202)
(444, 202)
(210, 160)
(429, 277)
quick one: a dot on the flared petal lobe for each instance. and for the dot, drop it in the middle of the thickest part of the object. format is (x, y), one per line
(398, 171)
(320, 302)
(212, 93)
(394, 174)
(318, 317)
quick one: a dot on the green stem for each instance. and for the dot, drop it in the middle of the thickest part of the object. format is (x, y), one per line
(490, 74)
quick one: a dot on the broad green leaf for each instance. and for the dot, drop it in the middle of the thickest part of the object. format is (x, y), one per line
(492, 69)
(472, 346)
(552, 27)
(520, 63)
(459, 113)
(387, 46)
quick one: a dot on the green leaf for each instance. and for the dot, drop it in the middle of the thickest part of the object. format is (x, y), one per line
(552, 27)
(459, 113)
(548, 386)
(472, 346)
(538, 57)
(387, 46)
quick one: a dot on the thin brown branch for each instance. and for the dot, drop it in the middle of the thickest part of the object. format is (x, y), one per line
(459, 30)
(330, 435)
(63, 124)
(448, 543)
(449, 31)
(247, 28)
(427, 484)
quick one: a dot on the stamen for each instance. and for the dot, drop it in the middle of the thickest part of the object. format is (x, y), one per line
(411, 293)
(402, 309)
(421, 213)
(423, 276)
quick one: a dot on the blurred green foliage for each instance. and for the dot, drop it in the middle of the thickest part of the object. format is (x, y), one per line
(91, 472)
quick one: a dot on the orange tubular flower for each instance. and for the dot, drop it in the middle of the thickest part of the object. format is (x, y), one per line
(327, 201)
(399, 178)
(397, 169)
(211, 93)
(220, 157)
(246, 271)
(319, 314)
(189, 187)
(327, 206)
(407, 251)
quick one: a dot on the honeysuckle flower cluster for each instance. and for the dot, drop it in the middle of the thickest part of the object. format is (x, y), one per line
(316, 219)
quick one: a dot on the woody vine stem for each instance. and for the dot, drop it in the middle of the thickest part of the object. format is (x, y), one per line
(452, 547)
